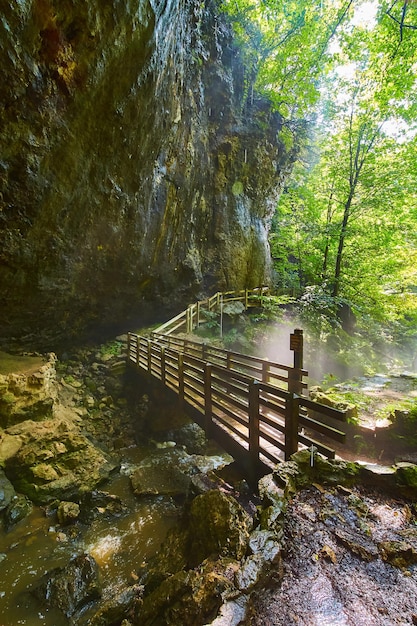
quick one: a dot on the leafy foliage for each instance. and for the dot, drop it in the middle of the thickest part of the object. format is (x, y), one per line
(344, 232)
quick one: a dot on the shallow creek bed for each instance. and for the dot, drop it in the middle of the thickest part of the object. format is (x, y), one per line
(349, 559)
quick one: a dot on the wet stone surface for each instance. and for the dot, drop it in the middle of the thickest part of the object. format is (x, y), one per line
(349, 559)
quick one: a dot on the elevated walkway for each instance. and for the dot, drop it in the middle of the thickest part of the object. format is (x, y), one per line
(256, 409)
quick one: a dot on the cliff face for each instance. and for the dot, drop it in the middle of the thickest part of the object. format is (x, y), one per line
(137, 169)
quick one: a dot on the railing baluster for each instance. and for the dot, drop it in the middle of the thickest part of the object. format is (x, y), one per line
(163, 366)
(254, 426)
(181, 379)
(291, 425)
(149, 356)
(208, 406)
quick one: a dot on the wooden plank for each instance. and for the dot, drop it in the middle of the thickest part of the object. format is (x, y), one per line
(227, 412)
(323, 449)
(266, 436)
(323, 409)
(324, 429)
(229, 427)
(276, 424)
(229, 400)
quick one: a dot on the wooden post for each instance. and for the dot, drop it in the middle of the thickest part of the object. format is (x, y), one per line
(128, 346)
(163, 368)
(294, 375)
(254, 428)
(181, 380)
(246, 299)
(221, 316)
(208, 406)
(265, 371)
(137, 351)
(149, 357)
(291, 425)
(187, 320)
(198, 314)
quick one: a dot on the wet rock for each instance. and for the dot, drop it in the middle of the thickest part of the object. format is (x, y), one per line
(68, 512)
(398, 553)
(54, 461)
(164, 474)
(187, 598)
(18, 509)
(192, 436)
(357, 543)
(306, 468)
(231, 613)
(218, 525)
(100, 504)
(7, 491)
(266, 544)
(72, 587)
(171, 559)
(249, 573)
(113, 610)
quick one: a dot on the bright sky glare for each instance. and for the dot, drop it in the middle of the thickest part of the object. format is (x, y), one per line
(365, 15)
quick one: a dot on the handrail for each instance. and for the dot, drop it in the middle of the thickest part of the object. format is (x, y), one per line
(190, 318)
(259, 368)
(254, 419)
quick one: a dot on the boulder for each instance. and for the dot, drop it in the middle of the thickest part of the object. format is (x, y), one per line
(19, 507)
(167, 473)
(218, 526)
(70, 588)
(54, 461)
(29, 395)
(7, 491)
(307, 467)
(187, 598)
(68, 512)
(100, 504)
(113, 610)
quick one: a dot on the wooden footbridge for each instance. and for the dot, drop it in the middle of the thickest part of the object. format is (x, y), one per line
(257, 410)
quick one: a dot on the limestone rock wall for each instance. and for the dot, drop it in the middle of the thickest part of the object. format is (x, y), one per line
(138, 170)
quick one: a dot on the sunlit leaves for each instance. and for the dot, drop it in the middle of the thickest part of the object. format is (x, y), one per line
(290, 42)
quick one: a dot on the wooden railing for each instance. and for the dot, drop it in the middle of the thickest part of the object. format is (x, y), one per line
(193, 316)
(253, 407)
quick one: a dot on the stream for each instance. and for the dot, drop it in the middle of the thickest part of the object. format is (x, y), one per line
(120, 546)
(318, 557)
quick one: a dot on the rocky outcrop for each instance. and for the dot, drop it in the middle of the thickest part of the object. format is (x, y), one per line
(49, 438)
(27, 396)
(137, 164)
(54, 461)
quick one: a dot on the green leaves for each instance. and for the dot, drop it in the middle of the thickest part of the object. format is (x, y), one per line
(347, 221)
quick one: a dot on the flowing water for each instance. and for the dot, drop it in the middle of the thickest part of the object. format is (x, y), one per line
(120, 546)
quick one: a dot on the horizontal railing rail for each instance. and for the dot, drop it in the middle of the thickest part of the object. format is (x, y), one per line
(258, 414)
(193, 316)
(260, 369)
